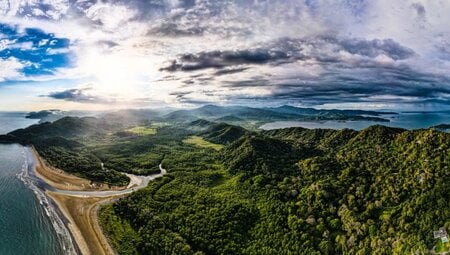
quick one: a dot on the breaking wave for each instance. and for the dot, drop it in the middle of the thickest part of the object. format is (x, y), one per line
(27, 176)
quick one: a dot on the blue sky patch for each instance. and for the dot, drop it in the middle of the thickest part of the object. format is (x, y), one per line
(41, 52)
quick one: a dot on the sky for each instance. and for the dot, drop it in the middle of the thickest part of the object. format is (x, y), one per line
(113, 54)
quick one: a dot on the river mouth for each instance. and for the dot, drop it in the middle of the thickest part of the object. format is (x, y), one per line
(70, 209)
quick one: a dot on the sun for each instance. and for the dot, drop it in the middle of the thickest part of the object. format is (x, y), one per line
(116, 75)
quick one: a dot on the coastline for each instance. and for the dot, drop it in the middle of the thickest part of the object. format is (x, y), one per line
(59, 221)
(80, 212)
(78, 203)
(64, 181)
(83, 222)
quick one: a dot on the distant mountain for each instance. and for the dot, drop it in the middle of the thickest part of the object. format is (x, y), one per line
(243, 113)
(212, 112)
(442, 127)
(229, 118)
(46, 115)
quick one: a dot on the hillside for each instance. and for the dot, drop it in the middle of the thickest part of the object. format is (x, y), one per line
(223, 133)
(101, 149)
(289, 191)
(295, 191)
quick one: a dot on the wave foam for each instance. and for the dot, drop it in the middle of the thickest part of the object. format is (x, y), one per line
(63, 234)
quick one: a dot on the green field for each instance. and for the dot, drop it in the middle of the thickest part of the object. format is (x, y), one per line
(141, 130)
(442, 247)
(200, 142)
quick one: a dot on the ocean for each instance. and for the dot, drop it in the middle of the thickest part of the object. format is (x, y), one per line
(25, 225)
(409, 120)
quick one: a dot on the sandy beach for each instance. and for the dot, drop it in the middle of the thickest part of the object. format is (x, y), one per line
(84, 226)
(80, 211)
(79, 201)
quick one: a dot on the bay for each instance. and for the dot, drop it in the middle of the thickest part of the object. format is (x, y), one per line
(10, 121)
(409, 120)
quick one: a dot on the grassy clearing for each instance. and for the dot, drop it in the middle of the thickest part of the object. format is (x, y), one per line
(143, 130)
(200, 142)
(442, 247)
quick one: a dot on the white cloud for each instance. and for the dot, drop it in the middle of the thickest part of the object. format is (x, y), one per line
(122, 46)
(56, 8)
(10, 69)
(109, 16)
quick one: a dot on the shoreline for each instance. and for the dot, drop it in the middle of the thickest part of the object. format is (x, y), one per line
(62, 180)
(78, 203)
(65, 221)
(83, 223)
(55, 215)
(79, 213)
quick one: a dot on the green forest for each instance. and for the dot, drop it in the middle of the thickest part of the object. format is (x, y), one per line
(293, 191)
(232, 191)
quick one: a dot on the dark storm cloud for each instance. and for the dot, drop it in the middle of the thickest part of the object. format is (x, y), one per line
(388, 84)
(221, 59)
(288, 50)
(75, 95)
(420, 9)
(170, 29)
(376, 48)
(230, 71)
(343, 78)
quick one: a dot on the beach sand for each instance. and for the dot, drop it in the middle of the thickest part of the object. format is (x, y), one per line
(79, 202)
(84, 226)
(80, 211)
(65, 181)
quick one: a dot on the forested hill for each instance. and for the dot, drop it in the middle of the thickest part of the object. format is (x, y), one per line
(231, 191)
(294, 191)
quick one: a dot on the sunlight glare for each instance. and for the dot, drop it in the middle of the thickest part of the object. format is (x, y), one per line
(116, 75)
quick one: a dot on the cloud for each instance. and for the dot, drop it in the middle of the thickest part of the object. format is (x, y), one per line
(194, 51)
(345, 70)
(420, 9)
(49, 9)
(76, 95)
(368, 83)
(221, 59)
(87, 94)
(289, 50)
(175, 30)
(10, 69)
(230, 71)
(38, 52)
(374, 48)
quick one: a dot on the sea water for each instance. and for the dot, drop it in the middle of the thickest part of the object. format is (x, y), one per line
(409, 120)
(10, 121)
(25, 224)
